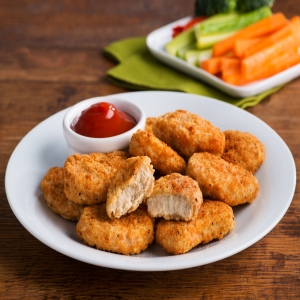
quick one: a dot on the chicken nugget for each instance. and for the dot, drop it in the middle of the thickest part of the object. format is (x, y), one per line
(188, 133)
(164, 159)
(149, 123)
(215, 220)
(175, 197)
(244, 149)
(53, 189)
(131, 184)
(127, 235)
(87, 177)
(221, 180)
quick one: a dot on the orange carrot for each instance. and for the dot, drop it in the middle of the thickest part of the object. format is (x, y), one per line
(233, 76)
(228, 63)
(212, 65)
(260, 28)
(289, 59)
(243, 45)
(251, 66)
(285, 61)
(290, 28)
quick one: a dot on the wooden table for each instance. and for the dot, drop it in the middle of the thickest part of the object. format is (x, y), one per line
(51, 58)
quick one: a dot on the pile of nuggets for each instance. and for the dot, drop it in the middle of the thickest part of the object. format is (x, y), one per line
(176, 185)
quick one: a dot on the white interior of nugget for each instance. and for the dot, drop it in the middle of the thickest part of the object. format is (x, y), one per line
(170, 207)
(129, 196)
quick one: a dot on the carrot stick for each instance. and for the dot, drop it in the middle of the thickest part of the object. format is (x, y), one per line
(284, 62)
(243, 45)
(228, 63)
(290, 28)
(251, 65)
(260, 28)
(233, 76)
(289, 59)
(212, 65)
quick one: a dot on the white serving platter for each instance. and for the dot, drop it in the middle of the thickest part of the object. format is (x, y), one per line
(157, 40)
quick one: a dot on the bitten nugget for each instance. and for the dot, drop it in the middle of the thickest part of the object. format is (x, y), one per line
(175, 197)
(244, 149)
(221, 180)
(164, 159)
(131, 184)
(214, 221)
(188, 133)
(53, 188)
(87, 177)
(130, 234)
(149, 123)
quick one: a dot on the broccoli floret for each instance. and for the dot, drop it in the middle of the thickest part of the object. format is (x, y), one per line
(243, 6)
(213, 7)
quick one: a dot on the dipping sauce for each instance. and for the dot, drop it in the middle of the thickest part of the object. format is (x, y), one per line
(103, 120)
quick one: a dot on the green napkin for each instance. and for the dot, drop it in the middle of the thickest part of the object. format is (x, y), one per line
(137, 69)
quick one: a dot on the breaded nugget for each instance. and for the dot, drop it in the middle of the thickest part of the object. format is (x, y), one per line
(221, 180)
(244, 149)
(131, 184)
(164, 159)
(87, 177)
(175, 197)
(130, 234)
(215, 219)
(149, 123)
(188, 133)
(53, 188)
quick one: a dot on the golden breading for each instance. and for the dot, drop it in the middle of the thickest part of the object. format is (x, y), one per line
(175, 197)
(87, 177)
(130, 234)
(221, 180)
(131, 184)
(244, 149)
(149, 123)
(215, 219)
(188, 133)
(164, 159)
(53, 188)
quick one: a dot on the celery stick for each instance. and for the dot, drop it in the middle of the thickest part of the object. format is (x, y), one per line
(181, 41)
(181, 52)
(206, 41)
(221, 24)
(216, 19)
(195, 57)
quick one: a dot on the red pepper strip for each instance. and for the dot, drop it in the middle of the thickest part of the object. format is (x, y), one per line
(177, 30)
(191, 23)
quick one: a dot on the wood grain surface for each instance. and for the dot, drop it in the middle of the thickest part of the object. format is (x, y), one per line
(51, 58)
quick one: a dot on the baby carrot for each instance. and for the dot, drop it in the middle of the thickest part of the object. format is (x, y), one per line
(260, 28)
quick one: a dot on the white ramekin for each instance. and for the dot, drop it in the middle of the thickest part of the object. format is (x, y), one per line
(85, 145)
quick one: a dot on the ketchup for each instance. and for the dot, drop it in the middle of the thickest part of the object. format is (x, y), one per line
(103, 120)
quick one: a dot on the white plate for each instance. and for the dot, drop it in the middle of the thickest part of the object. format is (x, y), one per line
(157, 40)
(44, 147)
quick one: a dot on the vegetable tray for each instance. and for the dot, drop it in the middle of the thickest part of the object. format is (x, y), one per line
(157, 40)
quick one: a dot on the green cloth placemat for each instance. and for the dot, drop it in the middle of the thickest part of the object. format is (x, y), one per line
(137, 69)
